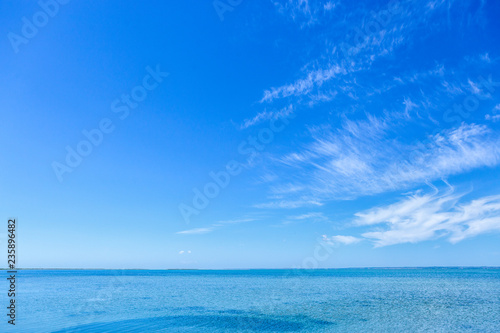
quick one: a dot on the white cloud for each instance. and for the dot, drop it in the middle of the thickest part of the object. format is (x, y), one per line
(339, 239)
(303, 12)
(409, 105)
(350, 53)
(307, 216)
(363, 159)
(214, 226)
(485, 57)
(357, 40)
(329, 6)
(422, 217)
(475, 88)
(267, 178)
(493, 117)
(303, 86)
(286, 188)
(268, 115)
(236, 221)
(221, 223)
(196, 231)
(289, 204)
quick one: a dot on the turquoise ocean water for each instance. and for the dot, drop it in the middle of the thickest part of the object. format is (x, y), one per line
(338, 300)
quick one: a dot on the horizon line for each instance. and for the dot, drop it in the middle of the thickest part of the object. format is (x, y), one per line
(247, 269)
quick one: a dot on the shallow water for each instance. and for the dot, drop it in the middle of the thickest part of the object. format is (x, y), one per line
(343, 300)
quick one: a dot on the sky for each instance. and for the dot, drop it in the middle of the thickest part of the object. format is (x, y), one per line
(251, 134)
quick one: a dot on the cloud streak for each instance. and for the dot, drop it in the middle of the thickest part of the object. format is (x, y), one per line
(268, 115)
(362, 158)
(303, 86)
(422, 217)
(195, 231)
(214, 226)
(340, 240)
(362, 36)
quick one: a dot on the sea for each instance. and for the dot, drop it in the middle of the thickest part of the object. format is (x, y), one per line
(323, 300)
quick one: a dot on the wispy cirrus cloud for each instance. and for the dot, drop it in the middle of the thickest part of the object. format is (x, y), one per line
(268, 115)
(340, 240)
(303, 86)
(304, 12)
(422, 217)
(364, 34)
(360, 70)
(310, 217)
(195, 231)
(214, 226)
(236, 221)
(305, 202)
(495, 116)
(364, 158)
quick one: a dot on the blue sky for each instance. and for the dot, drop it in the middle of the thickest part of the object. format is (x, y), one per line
(239, 134)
